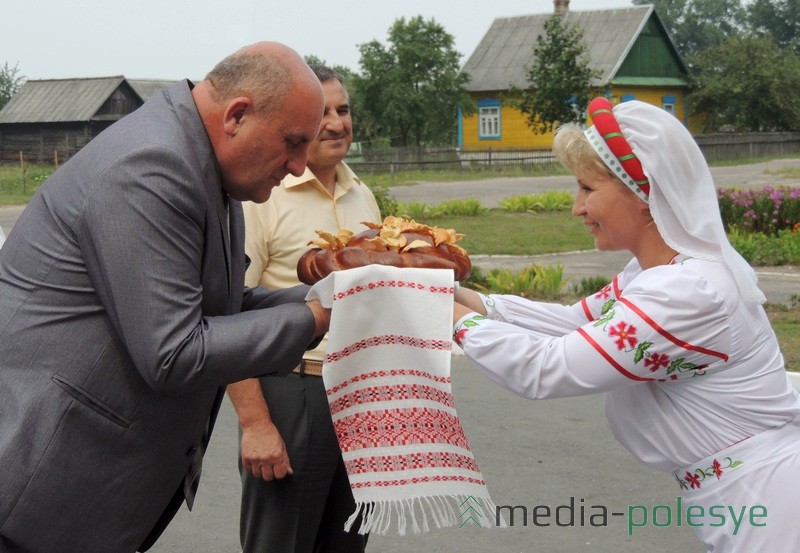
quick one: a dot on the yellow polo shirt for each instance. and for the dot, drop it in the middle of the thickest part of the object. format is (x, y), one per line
(277, 231)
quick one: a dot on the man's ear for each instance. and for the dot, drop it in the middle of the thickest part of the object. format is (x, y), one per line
(235, 113)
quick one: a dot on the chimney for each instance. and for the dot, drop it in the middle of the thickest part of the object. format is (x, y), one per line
(561, 6)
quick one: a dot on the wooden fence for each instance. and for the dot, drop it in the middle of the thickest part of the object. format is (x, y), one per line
(715, 147)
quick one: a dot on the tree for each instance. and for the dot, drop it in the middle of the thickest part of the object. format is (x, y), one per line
(669, 12)
(780, 18)
(749, 83)
(412, 89)
(697, 25)
(10, 81)
(560, 78)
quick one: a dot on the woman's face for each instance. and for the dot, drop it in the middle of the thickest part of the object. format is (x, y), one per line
(616, 217)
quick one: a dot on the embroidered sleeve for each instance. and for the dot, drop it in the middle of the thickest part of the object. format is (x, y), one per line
(550, 319)
(665, 329)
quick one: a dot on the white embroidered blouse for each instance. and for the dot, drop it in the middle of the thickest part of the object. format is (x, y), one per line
(687, 367)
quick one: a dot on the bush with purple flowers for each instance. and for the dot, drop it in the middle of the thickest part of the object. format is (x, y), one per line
(765, 211)
(763, 225)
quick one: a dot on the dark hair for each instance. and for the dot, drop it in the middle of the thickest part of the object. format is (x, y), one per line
(265, 79)
(325, 74)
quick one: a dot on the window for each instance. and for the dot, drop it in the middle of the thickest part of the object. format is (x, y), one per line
(489, 119)
(668, 103)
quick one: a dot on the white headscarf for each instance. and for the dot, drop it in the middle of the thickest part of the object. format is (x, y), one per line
(683, 199)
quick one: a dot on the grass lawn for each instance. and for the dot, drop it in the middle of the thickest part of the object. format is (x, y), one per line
(501, 233)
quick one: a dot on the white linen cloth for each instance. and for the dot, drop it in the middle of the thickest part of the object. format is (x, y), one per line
(387, 375)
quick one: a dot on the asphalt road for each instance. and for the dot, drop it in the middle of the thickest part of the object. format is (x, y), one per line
(490, 191)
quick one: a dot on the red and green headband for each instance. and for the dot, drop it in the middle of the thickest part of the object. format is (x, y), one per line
(606, 138)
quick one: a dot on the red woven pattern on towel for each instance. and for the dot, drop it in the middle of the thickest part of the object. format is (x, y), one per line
(392, 284)
(387, 340)
(399, 427)
(418, 480)
(393, 373)
(429, 459)
(393, 392)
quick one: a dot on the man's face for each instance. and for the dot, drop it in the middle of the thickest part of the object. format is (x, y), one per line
(336, 128)
(267, 147)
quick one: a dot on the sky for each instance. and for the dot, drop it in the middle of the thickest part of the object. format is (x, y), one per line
(175, 39)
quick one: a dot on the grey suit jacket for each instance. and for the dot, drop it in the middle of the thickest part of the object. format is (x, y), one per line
(120, 324)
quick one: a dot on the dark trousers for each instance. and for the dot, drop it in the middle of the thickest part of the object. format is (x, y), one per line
(306, 511)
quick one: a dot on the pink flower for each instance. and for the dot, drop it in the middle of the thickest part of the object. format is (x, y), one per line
(656, 360)
(624, 333)
(605, 293)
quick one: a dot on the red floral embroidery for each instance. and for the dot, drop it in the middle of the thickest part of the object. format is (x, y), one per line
(460, 335)
(717, 468)
(656, 360)
(693, 480)
(624, 333)
(605, 293)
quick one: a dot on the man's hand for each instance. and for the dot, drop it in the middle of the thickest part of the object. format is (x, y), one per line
(263, 451)
(322, 317)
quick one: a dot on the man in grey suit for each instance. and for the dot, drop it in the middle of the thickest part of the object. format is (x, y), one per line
(122, 308)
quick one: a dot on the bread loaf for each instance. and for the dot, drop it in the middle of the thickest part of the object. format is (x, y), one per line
(396, 241)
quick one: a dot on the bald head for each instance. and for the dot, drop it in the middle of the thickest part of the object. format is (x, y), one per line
(261, 108)
(264, 71)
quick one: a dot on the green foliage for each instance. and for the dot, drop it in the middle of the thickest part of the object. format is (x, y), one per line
(469, 207)
(411, 89)
(17, 185)
(749, 83)
(560, 78)
(589, 285)
(10, 81)
(551, 200)
(697, 25)
(762, 249)
(415, 210)
(418, 211)
(387, 204)
(779, 18)
(476, 279)
(536, 281)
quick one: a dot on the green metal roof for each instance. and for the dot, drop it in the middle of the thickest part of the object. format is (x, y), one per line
(650, 81)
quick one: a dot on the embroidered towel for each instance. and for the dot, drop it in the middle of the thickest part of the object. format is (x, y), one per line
(387, 376)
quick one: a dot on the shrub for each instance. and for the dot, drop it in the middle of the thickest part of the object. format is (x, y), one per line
(470, 207)
(589, 286)
(763, 249)
(767, 211)
(414, 210)
(536, 281)
(387, 204)
(552, 200)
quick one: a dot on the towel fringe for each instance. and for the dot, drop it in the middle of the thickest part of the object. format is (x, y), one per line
(378, 517)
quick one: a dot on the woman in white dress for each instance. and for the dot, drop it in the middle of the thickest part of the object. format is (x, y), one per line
(693, 377)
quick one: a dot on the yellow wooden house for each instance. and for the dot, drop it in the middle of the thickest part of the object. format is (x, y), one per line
(629, 47)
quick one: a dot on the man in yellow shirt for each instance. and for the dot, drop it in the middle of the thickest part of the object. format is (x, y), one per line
(296, 495)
